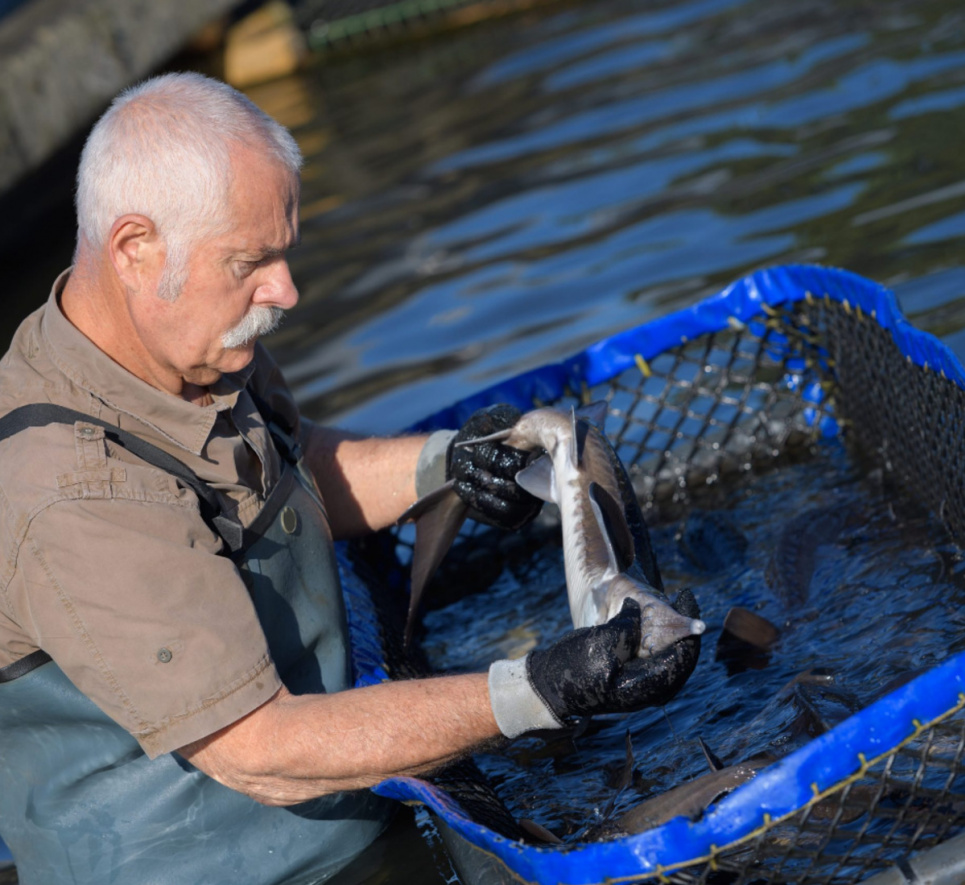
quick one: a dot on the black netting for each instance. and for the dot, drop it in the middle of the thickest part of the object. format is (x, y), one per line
(909, 800)
(907, 418)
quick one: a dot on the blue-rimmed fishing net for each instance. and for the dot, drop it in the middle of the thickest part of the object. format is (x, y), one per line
(795, 378)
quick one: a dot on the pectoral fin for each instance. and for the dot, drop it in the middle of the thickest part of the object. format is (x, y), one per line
(613, 526)
(438, 517)
(539, 479)
(750, 627)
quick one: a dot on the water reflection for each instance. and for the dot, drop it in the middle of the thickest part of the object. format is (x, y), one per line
(491, 201)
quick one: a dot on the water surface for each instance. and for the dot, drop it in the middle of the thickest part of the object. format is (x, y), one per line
(498, 198)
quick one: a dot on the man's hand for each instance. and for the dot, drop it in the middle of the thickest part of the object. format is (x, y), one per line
(590, 670)
(485, 474)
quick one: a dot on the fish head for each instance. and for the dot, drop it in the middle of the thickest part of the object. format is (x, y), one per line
(661, 624)
(654, 679)
(540, 429)
(545, 428)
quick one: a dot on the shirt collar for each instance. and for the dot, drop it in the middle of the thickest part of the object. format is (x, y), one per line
(88, 367)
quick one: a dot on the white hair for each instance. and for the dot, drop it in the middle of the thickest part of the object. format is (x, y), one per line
(163, 150)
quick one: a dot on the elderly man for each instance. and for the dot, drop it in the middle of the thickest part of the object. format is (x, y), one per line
(174, 685)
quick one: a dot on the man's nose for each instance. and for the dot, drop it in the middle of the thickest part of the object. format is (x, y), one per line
(279, 289)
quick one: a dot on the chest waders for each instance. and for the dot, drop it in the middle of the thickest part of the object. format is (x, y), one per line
(80, 802)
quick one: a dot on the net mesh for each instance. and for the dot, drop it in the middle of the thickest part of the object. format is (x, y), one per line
(690, 424)
(909, 799)
(717, 407)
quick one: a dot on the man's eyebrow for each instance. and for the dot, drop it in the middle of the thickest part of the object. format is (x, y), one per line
(274, 251)
(271, 251)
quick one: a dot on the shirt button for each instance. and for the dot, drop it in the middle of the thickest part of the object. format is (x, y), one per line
(164, 655)
(289, 520)
(87, 432)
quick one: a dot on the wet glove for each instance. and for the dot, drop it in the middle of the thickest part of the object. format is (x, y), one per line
(485, 475)
(590, 670)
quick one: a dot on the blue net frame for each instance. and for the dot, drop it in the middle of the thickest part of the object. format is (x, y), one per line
(828, 376)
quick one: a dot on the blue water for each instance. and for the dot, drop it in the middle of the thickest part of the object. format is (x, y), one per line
(497, 198)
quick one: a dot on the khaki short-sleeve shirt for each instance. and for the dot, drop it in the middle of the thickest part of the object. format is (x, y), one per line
(106, 563)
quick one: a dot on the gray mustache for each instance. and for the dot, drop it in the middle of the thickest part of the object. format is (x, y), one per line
(258, 321)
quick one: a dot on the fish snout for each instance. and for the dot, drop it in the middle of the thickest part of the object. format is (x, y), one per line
(662, 625)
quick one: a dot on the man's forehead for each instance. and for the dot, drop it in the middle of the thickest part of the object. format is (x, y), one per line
(238, 242)
(271, 233)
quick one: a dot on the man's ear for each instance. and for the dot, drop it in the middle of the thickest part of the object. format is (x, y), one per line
(136, 251)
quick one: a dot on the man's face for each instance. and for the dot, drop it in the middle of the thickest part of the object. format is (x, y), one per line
(237, 282)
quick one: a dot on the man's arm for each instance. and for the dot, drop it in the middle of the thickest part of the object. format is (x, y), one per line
(293, 748)
(296, 747)
(367, 483)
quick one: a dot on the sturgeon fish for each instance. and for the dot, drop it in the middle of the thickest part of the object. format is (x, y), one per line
(606, 546)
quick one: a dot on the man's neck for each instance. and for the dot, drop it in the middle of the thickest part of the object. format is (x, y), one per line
(200, 396)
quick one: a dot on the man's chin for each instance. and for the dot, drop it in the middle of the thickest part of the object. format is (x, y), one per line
(236, 358)
(231, 360)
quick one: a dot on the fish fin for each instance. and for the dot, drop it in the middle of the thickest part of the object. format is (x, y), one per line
(580, 430)
(613, 526)
(626, 776)
(438, 517)
(596, 413)
(538, 833)
(751, 627)
(539, 479)
(624, 779)
(713, 760)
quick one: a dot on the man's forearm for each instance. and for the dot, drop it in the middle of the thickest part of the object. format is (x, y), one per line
(367, 483)
(297, 747)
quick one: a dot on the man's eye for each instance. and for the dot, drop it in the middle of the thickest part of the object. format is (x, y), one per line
(243, 268)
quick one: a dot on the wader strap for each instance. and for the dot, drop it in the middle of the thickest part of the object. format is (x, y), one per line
(27, 663)
(230, 531)
(41, 414)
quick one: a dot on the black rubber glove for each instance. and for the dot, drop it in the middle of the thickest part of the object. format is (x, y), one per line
(591, 670)
(485, 474)
(653, 681)
(580, 674)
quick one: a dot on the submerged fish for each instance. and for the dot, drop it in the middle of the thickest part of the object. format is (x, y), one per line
(711, 541)
(607, 552)
(795, 557)
(691, 799)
